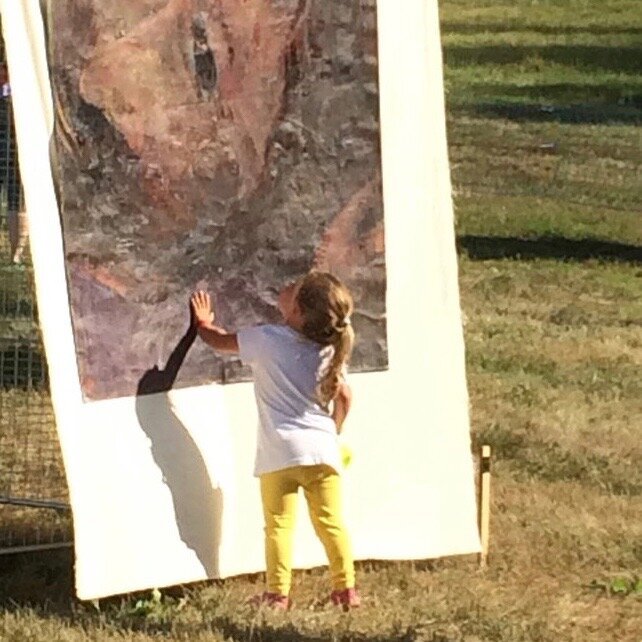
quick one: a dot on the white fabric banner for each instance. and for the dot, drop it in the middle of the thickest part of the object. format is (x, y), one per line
(161, 486)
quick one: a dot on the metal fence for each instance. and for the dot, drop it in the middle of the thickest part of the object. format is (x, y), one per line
(34, 510)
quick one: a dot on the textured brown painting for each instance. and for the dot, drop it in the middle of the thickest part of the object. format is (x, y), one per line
(229, 145)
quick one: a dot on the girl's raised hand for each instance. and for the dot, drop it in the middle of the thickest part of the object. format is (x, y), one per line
(201, 305)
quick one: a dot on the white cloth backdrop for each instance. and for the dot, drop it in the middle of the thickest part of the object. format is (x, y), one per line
(162, 490)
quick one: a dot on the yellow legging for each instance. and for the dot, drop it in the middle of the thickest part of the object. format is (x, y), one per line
(322, 489)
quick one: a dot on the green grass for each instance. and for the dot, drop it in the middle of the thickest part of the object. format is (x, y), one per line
(544, 115)
(535, 217)
(558, 18)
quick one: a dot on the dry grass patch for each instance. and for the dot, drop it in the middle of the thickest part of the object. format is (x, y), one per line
(554, 385)
(563, 531)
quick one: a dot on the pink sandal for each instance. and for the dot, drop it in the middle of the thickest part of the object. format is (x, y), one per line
(347, 598)
(271, 600)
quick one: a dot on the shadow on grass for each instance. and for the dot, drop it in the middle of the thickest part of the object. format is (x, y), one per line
(39, 578)
(268, 632)
(482, 248)
(605, 96)
(50, 597)
(596, 58)
(576, 114)
(449, 26)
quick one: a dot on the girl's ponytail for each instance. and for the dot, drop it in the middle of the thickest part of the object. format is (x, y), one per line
(326, 305)
(331, 378)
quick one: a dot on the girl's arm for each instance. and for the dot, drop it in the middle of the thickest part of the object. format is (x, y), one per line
(341, 405)
(203, 319)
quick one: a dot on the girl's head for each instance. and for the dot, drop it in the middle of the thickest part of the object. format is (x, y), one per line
(319, 306)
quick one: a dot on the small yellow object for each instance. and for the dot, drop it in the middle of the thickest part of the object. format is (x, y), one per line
(346, 455)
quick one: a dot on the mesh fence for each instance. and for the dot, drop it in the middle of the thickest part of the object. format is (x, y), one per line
(33, 491)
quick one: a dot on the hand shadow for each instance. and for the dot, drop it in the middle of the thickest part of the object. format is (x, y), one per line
(198, 506)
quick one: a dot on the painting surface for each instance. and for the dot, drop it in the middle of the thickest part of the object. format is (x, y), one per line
(212, 144)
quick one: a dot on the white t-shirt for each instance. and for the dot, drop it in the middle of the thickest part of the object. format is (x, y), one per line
(294, 430)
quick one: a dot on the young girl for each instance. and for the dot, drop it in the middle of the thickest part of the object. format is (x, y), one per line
(302, 400)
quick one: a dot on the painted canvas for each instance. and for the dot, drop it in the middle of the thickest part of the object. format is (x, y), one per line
(212, 144)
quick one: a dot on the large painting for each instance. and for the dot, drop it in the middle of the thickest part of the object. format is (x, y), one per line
(212, 144)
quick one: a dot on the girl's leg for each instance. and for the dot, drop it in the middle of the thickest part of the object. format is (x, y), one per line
(322, 488)
(279, 497)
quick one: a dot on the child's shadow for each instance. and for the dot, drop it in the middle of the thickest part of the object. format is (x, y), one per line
(197, 505)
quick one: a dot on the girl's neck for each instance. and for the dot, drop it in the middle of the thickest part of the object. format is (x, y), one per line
(294, 320)
(297, 327)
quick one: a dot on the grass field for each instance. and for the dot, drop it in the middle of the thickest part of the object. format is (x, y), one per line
(544, 113)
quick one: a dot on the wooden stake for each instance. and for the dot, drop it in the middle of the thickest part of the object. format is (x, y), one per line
(484, 505)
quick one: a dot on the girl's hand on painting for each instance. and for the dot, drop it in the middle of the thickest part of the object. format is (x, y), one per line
(201, 308)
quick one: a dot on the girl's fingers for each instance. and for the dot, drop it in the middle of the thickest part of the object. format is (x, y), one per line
(199, 297)
(201, 301)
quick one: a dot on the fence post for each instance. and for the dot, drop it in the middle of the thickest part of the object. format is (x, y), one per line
(484, 505)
